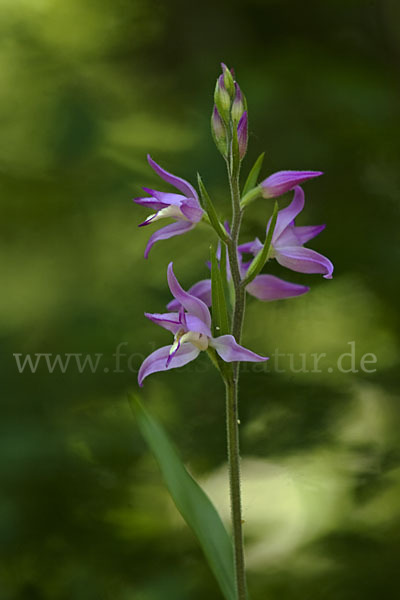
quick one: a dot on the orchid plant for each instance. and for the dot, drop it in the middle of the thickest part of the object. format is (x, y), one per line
(188, 317)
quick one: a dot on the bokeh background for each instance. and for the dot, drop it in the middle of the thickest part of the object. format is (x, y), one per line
(87, 88)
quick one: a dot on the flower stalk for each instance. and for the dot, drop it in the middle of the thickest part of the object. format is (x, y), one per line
(232, 398)
(193, 327)
(232, 428)
(232, 384)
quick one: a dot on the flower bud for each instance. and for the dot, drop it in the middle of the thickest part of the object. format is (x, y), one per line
(228, 81)
(242, 135)
(218, 131)
(239, 104)
(283, 181)
(222, 99)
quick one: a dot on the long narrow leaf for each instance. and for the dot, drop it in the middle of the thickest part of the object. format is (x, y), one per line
(262, 256)
(219, 309)
(251, 180)
(191, 501)
(210, 210)
(222, 264)
(223, 267)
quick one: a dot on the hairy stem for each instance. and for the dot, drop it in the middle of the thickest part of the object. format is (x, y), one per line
(231, 384)
(234, 485)
(240, 294)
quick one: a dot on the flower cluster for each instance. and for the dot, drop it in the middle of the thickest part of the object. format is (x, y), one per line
(188, 317)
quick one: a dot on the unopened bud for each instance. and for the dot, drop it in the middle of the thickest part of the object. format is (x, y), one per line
(222, 99)
(219, 132)
(242, 135)
(283, 181)
(239, 105)
(228, 81)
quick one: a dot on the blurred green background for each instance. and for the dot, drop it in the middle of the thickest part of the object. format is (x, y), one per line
(87, 88)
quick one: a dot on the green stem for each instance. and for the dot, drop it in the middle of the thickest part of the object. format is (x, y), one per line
(232, 392)
(232, 427)
(240, 294)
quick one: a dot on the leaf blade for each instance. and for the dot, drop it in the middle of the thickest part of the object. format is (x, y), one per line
(219, 308)
(262, 257)
(191, 501)
(211, 212)
(251, 180)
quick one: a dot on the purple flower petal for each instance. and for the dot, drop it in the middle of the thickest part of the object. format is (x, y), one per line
(184, 186)
(166, 198)
(229, 350)
(159, 200)
(269, 287)
(197, 325)
(193, 305)
(157, 361)
(170, 321)
(286, 216)
(167, 232)
(152, 203)
(253, 247)
(283, 181)
(297, 236)
(201, 289)
(191, 210)
(182, 318)
(304, 260)
(244, 267)
(308, 232)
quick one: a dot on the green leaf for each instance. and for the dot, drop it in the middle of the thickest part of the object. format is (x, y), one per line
(191, 501)
(262, 257)
(222, 264)
(219, 309)
(226, 283)
(211, 212)
(251, 180)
